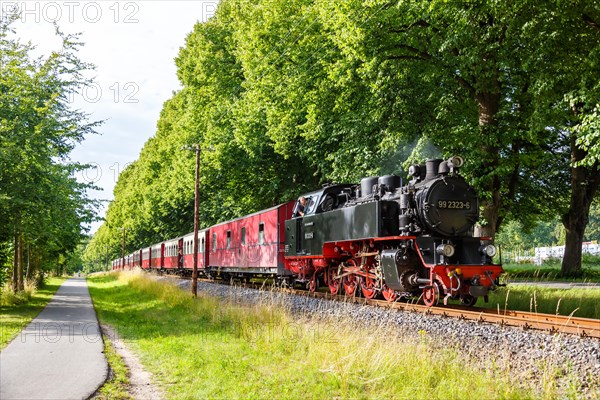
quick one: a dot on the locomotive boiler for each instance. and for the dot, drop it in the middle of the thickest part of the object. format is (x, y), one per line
(386, 238)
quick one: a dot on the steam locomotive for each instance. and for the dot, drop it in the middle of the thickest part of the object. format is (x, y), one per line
(378, 238)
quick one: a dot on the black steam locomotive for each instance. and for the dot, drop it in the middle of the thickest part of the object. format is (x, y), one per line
(386, 238)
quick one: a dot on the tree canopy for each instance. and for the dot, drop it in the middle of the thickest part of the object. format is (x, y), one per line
(284, 95)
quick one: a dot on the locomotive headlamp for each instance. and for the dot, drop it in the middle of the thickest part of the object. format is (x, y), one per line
(488, 250)
(455, 162)
(446, 250)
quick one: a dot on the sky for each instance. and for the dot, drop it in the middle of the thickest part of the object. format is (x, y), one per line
(133, 45)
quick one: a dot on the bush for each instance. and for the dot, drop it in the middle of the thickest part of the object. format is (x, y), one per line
(590, 259)
(10, 298)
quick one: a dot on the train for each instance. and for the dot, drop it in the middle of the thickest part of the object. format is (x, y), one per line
(381, 237)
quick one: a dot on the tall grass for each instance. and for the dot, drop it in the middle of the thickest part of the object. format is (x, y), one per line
(206, 348)
(17, 310)
(577, 302)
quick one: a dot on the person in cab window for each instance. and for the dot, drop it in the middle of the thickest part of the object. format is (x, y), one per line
(300, 207)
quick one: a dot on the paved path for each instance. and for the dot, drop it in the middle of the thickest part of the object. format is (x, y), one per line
(59, 355)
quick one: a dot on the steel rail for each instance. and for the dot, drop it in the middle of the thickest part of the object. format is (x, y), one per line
(587, 327)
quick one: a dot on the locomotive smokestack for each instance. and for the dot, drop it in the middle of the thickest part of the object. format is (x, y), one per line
(432, 168)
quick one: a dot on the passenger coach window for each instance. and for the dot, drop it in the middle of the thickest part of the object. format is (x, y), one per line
(214, 244)
(228, 239)
(261, 233)
(201, 247)
(243, 235)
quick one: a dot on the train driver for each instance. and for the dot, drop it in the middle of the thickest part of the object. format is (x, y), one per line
(299, 208)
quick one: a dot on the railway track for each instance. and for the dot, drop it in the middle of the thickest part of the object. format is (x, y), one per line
(585, 327)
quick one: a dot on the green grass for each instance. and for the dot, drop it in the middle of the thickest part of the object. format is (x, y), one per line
(16, 311)
(550, 271)
(116, 387)
(205, 348)
(578, 302)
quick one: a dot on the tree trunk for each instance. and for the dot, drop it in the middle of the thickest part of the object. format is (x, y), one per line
(28, 270)
(490, 213)
(584, 185)
(15, 279)
(20, 263)
(489, 105)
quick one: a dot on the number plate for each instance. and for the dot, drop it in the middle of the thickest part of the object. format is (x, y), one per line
(454, 204)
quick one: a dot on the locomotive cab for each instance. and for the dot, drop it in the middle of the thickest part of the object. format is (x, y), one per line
(328, 199)
(299, 229)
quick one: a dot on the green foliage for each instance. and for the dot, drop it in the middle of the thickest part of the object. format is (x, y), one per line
(515, 237)
(42, 206)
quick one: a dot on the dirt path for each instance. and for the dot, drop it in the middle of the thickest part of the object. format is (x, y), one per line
(140, 380)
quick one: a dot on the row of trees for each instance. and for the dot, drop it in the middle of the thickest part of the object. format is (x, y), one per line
(284, 95)
(42, 206)
(514, 237)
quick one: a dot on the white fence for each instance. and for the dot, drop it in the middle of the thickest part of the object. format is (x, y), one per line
(544, 253)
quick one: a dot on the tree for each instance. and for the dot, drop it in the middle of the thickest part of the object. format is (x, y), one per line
(503, 72)
(572, 43)
(42, 206)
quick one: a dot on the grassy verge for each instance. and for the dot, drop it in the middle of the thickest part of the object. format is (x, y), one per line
(204, 348)
(15, 317)
(578, 302)
(116, 387)
(550, 271)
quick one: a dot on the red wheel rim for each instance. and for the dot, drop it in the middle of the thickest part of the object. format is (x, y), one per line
(367, 286)
(334, 284)
(312, 286)
(389, 294)
(350, 284)
(431, 295)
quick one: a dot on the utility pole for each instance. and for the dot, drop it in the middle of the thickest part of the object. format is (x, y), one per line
(195, 148)
(196, 202)
(107, 257)
(123, 251)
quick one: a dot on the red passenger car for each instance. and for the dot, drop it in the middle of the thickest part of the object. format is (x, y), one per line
(157, 254)
(249, 245)
(145, 258)
(173, 254)
(188, 251)
(137, 257)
